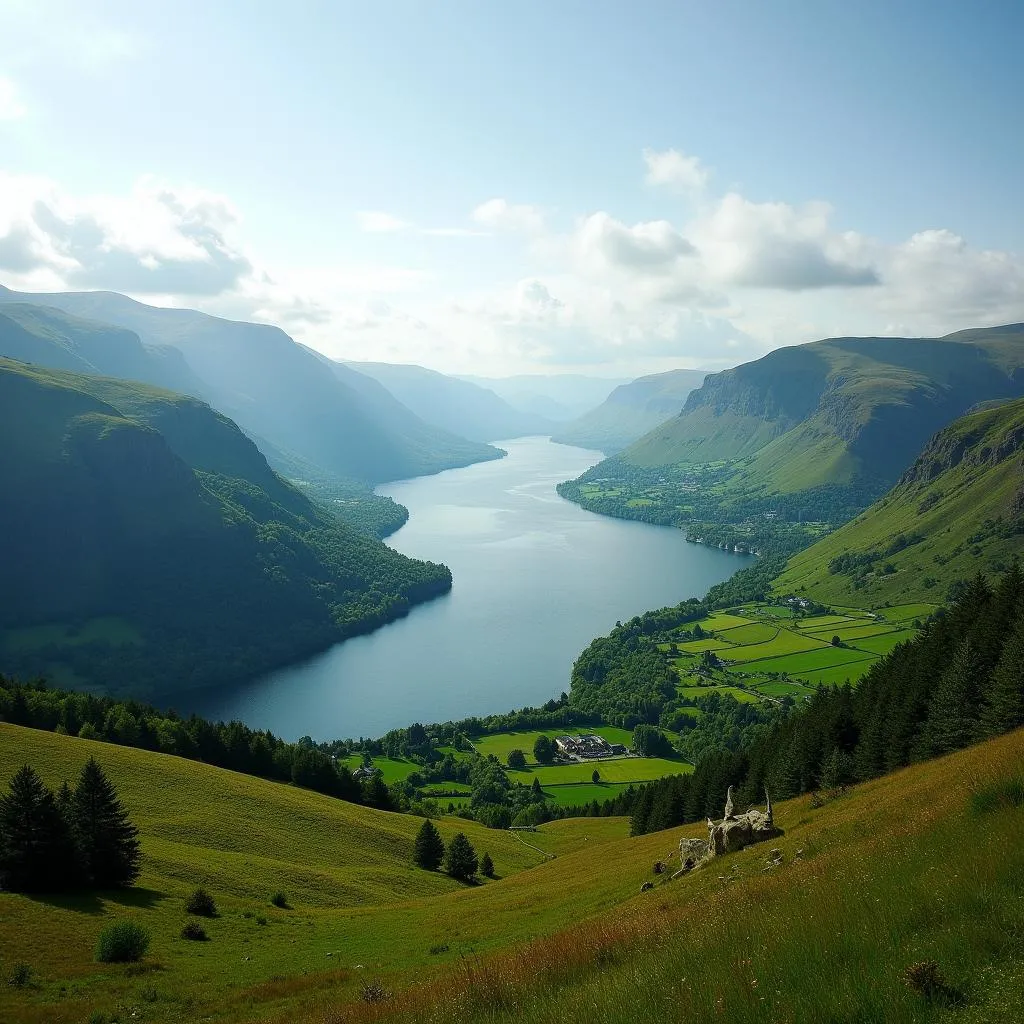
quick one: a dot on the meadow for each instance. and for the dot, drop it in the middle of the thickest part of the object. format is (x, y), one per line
(569, 937)
(500, 744)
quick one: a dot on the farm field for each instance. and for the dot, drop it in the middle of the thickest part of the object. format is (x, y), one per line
(576, 795)
(622, 769)
(499, 744)
(779, 653)
(391, 769)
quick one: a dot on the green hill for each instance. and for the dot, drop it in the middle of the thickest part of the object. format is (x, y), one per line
(571, 938)
(958, 510)
(812, 433)
(631, 410)
(147, 546)
(346, 424)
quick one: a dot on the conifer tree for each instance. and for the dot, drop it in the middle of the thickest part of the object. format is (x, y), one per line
(1003, 708)
(460, 858)
(428, 851)
(107, 841)
(36, 850)
(953, 710)
(486, 866)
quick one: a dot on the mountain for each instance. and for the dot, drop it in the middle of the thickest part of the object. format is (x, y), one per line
(147, 545)
(49, 337)
(348, 424)
(837, 410)
(631, 410)
(455, 405)
(958, 510)
(559, 396)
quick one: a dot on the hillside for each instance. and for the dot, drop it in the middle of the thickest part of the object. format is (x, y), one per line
(631, 411)
(455, 405)
(148, 546)
(558, 397)
(958, 510)
(276, 390)
(571, 938)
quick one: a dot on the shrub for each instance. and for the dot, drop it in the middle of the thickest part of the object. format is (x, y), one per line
(194, 931)
(122, 943)
(261, 920)
(201, 904)
(279, 900)
(441, 947)
(374, 992)
(927, 981)
(21, 976)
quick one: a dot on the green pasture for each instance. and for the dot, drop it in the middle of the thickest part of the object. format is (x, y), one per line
(854, 671)
(808, 661)
(718, 621)
(775, 688)
(907, 612)
(580, 794)
(699, 646)
(884, 642)
(784, 642)
(620, 769)
(816, 622)
(391, 769)
(501, 743)
(751, 633)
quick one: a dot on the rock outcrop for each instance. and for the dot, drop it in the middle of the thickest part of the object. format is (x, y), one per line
(732, 833)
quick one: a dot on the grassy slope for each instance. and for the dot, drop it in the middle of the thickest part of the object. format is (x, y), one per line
(969, 473)
(877, 887)
(833, 410)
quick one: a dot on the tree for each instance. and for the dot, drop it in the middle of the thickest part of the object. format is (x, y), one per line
(460, 858)
(953, 715)
(107, 841)
(516, 760)
(36, 850)
(544, 749)
(486, 866)
(1004, 703)
(536, 793)
(595, 777)
(428, 851)
(836, 641)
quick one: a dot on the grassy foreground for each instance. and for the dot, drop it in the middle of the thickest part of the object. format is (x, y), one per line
(926, 864)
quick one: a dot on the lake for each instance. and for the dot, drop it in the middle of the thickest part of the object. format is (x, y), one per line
(536, 578)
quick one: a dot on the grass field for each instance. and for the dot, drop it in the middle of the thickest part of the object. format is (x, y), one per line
(568, 939)
(500, 744)
(622, 769)
(391, 769)
(585, 792)
(807, 661)
(743, 696)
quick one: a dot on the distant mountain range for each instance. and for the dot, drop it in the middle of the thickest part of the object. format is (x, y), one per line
(631, 410)
(459, 406)
(557, 397)
(327, 415)
(147, 544)
(958, 510)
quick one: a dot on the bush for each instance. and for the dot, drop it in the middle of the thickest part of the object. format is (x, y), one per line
(194, 931)
(122, 943)
(261, 920)
(279, 900)
(201, 904)
(21, 976)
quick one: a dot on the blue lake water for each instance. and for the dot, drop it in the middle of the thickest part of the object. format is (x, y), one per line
(536, 578)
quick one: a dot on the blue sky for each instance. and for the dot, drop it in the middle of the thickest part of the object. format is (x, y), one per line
(533, 186)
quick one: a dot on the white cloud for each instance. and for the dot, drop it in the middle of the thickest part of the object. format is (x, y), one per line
(675, 170)
(775, 245)
(375, 221)
(501, 215)
(11, 106)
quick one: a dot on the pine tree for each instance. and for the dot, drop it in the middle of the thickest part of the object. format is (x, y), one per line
(36, 850)
(460, 858)
(107, 841)
(486, 866)
(952, 714)
(1003, 709)
(429, 849)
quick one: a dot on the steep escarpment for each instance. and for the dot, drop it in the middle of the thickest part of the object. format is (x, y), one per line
(958, 510)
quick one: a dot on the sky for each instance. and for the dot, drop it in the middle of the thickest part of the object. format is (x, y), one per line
(532, 187)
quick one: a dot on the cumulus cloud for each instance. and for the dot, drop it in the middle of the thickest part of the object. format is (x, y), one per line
(501, 215)
(775, 245)
(675, 170)
(11, 106)
(158, 240)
